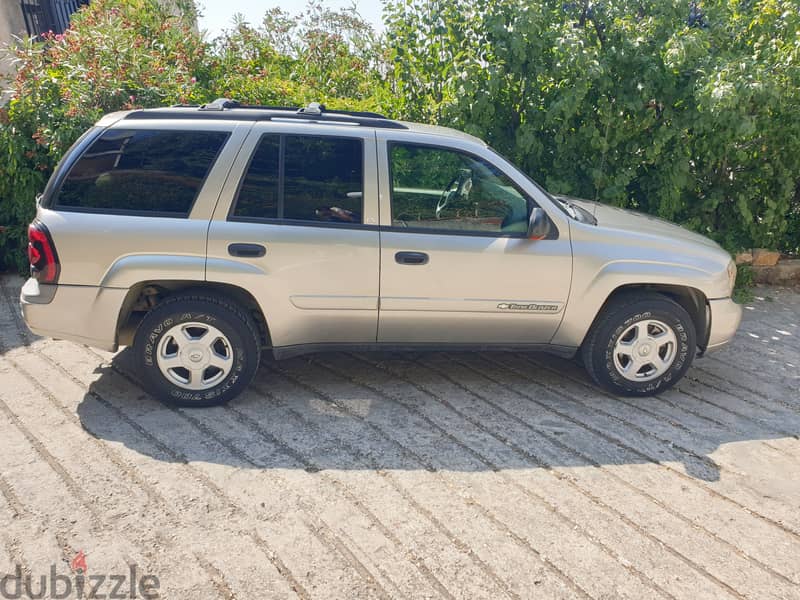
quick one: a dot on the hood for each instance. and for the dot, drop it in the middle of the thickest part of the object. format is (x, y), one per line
(611, 217)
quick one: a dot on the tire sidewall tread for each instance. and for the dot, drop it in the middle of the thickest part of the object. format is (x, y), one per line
(214, 310)
(621, 313)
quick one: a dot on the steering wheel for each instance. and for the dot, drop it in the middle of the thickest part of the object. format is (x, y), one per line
(464, 180)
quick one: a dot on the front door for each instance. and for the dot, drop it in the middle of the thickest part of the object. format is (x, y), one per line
(456, 264)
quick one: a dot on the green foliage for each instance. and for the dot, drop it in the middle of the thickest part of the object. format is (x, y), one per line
(791, 241)
(681, 109)
(743, 290)
(119, 54)
(647, 104)
(125, 54)
(327, 56)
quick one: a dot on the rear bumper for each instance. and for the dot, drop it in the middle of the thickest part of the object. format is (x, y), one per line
(726, 316)
(84, 314)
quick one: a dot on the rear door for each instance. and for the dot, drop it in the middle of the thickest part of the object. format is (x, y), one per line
(456, 264)
(297, 226)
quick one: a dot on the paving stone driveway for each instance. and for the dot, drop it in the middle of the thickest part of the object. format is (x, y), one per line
(461, 475)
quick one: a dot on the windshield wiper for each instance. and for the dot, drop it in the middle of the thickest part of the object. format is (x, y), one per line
(570, 208)
(577, 212)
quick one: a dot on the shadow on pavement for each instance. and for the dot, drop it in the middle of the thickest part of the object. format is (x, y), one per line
(458, 412)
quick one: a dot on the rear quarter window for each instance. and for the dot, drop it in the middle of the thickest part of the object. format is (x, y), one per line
(143, 171)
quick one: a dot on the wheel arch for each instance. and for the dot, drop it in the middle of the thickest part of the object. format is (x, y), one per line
(146, 295)
(691, 299)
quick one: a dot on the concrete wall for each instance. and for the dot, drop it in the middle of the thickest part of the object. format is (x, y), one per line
(11, 23)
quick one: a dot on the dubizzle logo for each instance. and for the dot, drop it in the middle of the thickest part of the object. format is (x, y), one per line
(78, 564)
(81, 585)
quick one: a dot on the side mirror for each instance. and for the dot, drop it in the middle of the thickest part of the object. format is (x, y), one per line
(538, 224)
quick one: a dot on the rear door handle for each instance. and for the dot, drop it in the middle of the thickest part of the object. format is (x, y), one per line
(247, 250)
(411, 258)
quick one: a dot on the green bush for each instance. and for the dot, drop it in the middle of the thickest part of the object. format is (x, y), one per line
(332, 57)
(684, 111)
(119, 54)
(124, 54)
(743, 290)
(681, 110)
(791, 241)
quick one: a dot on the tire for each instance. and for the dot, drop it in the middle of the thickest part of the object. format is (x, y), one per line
(210, 334)
(640, 345)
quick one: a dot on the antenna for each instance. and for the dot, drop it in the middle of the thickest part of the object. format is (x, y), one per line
(602, 164)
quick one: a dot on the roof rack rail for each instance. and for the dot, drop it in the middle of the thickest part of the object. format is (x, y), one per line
(227, 109)
(313, 108)
(220, 104)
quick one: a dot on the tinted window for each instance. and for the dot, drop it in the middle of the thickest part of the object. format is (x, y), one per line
(258, 195)
(322, 180)
(436, 188)
(142, 171)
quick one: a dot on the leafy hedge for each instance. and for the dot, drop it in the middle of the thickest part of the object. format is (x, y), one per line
(685, 110)
(124, 54)
(117, 56)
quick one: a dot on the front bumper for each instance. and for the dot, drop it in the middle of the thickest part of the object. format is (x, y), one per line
(725, 317)
(84, 314)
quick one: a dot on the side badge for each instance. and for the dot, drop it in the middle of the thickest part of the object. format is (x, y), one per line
(533, 307)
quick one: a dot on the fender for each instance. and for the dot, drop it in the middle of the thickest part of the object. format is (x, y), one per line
(132, 274)
(135, 268)
(586, 299)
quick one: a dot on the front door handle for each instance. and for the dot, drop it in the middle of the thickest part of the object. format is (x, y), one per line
(411, 258)
(247, 250)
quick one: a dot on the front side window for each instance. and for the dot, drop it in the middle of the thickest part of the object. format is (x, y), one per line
(303, 178)
(141, 171)
(451, 191)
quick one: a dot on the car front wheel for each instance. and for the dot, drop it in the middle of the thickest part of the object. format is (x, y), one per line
(641, 345)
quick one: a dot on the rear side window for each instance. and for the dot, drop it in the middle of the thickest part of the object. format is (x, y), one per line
(303, 178)
(141, 172)
(258, 194)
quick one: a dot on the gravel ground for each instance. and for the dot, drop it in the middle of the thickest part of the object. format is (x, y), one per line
(462, 475)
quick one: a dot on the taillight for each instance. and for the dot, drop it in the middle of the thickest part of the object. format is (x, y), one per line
(42, 254)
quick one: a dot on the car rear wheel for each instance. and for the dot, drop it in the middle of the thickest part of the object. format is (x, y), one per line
(641, 345)
(196, 350)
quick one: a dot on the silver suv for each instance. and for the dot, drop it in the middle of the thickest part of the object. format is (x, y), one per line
(202, 235)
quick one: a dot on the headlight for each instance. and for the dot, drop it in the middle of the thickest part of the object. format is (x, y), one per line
(731, 275)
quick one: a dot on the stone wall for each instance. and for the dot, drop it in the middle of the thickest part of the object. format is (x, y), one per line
(786, 272)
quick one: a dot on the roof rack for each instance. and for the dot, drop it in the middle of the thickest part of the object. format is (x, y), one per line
(226, 109)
